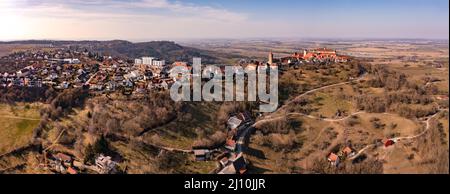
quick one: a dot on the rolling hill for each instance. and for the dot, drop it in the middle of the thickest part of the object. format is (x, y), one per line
(168, 50)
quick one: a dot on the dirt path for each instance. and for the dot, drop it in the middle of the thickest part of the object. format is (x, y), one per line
(420, 134)
(269, 118)
(396, 139)
(309, 92)
(318, 89)
(55, 142)
(329, 120)
(174, 149)
(23, 118)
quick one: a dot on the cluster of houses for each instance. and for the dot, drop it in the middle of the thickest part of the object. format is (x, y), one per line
(231, 159)
(313, 55)
(64, 68)
(240, 127)
(114, 75)
(59, 68)
(161, 71)
(65, 164)
(146, 74)
(336, 158)
(105, 165)
(347, 152)
(233, 163)
(62, 163)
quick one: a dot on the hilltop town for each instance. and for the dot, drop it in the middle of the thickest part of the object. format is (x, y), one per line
(63, 69)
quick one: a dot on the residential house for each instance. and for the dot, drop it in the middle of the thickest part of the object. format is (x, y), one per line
(146, 61)
(105, 165)
(148, 75)
(224, 161)
(70, 170)
(202, 154)
(348, 152)
(234, 122)
(236, 165)
(111, 86)
(229, 169)
(96, 86)
(133, 75)
(159, 63)
(63, 158)
(137, 61)
(389, 143)
(230, 144)
(23, 73)
(333, 159)
(141, 87)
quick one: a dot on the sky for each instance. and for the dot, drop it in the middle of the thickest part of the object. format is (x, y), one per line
(139, 20)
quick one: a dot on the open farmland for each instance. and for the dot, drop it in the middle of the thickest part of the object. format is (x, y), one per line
(17, 125)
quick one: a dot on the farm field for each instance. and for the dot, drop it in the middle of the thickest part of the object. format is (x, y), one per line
(17, 124)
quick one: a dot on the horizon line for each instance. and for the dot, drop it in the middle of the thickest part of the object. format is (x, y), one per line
(224, 38)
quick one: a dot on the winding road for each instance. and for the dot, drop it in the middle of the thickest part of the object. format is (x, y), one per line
(269, 118)
(315, 90)
(427, 128)
(396, 139)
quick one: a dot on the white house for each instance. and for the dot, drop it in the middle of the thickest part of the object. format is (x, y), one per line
(132, 75)
(137, 61)
(159, 63)
(147, 60)
(104, 164)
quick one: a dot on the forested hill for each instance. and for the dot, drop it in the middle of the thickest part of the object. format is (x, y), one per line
(168, 50)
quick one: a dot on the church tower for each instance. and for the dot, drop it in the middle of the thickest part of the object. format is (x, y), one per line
(270, 58)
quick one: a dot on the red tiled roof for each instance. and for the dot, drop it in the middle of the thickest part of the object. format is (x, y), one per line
(63, 157)
(308, 56)
(180, 64)
(389, 143)
(347, 150)
(224, 160)
(230, 142)
(70, 170)
(333, 157)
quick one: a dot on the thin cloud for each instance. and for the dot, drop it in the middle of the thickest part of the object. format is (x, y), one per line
(119, 9)
(132, 20)
(171, 19)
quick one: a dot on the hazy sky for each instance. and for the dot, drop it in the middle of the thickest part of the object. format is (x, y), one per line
(168, 19)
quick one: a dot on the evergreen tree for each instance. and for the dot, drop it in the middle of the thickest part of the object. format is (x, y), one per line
(89, 154)
(101, 146)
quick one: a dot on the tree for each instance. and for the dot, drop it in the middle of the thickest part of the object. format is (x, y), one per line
(167, 161)
(101, 146)
(89, 154)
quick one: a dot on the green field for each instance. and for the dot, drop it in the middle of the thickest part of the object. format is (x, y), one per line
(17, 125)
(327, 102)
